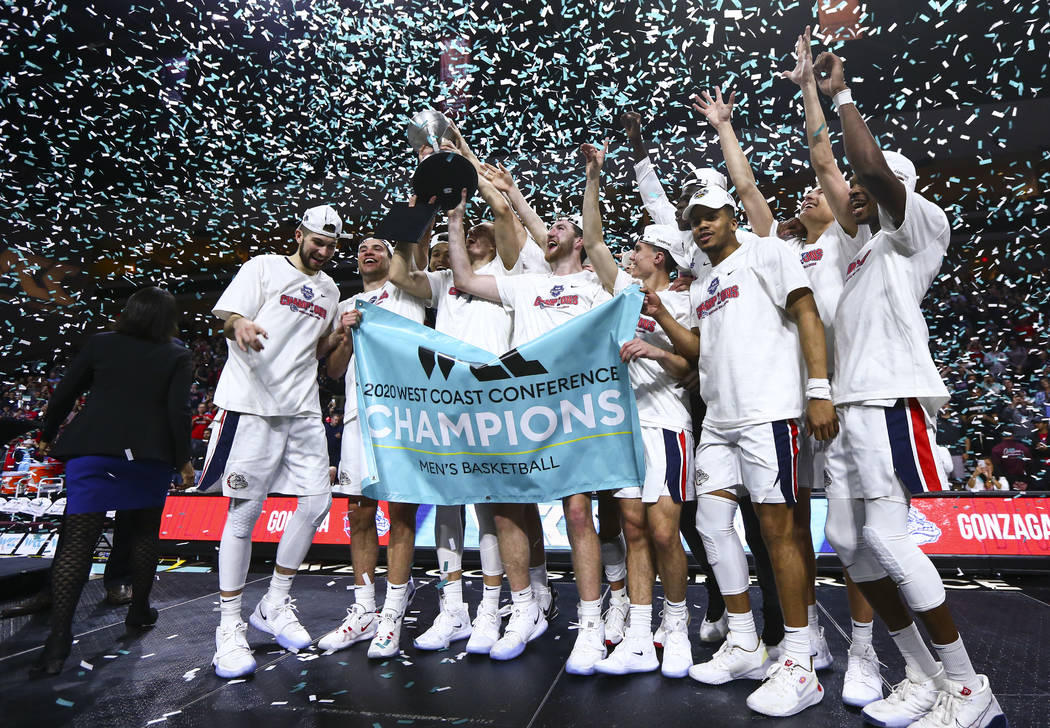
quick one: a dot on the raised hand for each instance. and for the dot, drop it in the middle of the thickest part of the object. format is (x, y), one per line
(803, 70)
(652, 306)
(717, 111)
(498, 176)
(594, 157)
(632, 124)
(455, 215)
(829, 73)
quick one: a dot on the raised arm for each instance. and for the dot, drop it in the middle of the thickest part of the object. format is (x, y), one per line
(501, 178)
(861, 149)
(719, 114)
(598, 254)
(686, 341)
(651, 191)
(339, 357)
(404, 276)
(821, 156)
(820, 412)
(463, 275)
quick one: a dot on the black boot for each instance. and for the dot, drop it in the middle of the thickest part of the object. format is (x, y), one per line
(39, 602)
(141, 617)
(56, 650)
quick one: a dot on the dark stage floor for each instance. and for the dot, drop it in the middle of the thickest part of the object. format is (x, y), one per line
(164, 678)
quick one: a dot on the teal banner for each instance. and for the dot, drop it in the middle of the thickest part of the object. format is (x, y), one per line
(445, 423)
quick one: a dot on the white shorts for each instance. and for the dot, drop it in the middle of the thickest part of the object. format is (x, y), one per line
(668, 466)
(840, 473)
(352, 465)
(890, 449)
(254, 456)
(811, 461)
(759, 460)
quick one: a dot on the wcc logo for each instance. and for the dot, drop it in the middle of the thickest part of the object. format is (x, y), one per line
(557, 291)
(308, 293)
(714, 285)
(512, 364)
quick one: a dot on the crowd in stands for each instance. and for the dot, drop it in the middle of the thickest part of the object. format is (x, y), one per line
(991, 340)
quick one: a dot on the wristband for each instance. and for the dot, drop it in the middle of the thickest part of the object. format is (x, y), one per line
(842, 97)
(818, 389)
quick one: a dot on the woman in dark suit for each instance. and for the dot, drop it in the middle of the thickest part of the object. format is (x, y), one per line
(122, 451)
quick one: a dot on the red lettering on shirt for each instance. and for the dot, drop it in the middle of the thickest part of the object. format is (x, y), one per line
(557, 302)
(717, 301)
(302, 306)
(856, 265)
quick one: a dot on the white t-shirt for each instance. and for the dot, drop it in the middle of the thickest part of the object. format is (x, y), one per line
(295, 310)
(478, 322)
(392, 299)
(751, 368)
(881, 339)
(540, 302)
(824, 263)
(660, 402)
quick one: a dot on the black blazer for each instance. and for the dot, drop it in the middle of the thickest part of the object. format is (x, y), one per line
(138, 400)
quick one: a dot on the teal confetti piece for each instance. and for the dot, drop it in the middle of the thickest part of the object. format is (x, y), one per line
(64, 703)
(817, 132)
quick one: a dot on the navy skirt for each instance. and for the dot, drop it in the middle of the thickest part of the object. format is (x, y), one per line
(97, 483)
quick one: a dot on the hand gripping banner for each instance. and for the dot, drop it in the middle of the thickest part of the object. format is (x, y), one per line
(446, 423)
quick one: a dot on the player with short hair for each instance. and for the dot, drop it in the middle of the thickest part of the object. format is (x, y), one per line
(651, 512)
(888, 391)
(755, 323)
(362, 622)
(278, 315)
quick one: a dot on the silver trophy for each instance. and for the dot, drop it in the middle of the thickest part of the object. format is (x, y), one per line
(442, 173)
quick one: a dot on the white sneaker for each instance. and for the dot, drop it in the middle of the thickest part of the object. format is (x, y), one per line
(589, 648)
(961, 707)
(280, 621)
(678, 652)
(387, 639)
(661, 632)
(911, 698)
(732, 662)
(233, 657)
(789, 688)
(484, 632)
(359, 625)
(716, 631)
(526, 623)
(633, 654)
(863, 682)
(449, 626)
(818, 649)
(615, 620)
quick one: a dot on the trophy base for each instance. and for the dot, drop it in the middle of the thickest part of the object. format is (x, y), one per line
(443, 175)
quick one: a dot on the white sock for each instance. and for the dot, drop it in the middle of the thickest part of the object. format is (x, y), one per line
(395, 597)
(742, 627)
(861, 633)
(230, 611)
(280, 586)
(538, 577)
(676, 614)
(453, 594)
(365, 595)
(618, 595)
(641, 620)
(590, 611)
(956, 661)
(490, 597)
(915, 652)
(814, 620)
(519, 598)
(796, 645)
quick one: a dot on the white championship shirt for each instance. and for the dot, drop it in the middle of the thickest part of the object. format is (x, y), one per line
(392, 299)
(540, 302)
(476, 321)
(295, 310)
(531, 258)
(660, 402)
(882, 346)
(751, 368)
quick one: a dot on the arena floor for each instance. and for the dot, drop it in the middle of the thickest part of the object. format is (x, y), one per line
(163, 677)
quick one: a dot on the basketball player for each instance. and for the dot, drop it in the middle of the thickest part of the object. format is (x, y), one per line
(278, 315)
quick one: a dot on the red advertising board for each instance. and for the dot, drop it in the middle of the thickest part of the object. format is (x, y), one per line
(1006, 526)
(201, 518)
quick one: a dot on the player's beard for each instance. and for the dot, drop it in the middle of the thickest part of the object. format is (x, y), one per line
(308, 262)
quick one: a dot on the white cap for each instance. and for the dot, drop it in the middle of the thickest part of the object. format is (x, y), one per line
(576, 219)
(902, 169)
(670, 238)
(323, 220)
(711, 196)
(437, 239)
(706, 176)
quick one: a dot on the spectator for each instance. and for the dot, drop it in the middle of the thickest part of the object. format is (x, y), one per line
(1041, 456)
(984, 478)
(1012, 459)
(201, 425)
(333, 430)
(1017, 354)
(1042, 398)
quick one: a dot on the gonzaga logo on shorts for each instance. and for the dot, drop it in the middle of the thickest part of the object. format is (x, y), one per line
(553, 417)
